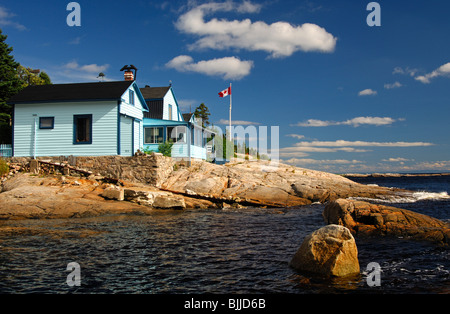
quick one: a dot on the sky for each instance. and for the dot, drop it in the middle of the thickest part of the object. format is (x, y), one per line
(347, 97)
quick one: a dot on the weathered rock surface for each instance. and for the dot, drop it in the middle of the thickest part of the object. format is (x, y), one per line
(364, 218)
(265, 184)
(328, 251)
(31, 197)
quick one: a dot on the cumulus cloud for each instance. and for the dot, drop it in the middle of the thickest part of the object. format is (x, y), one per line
(7, 19)
(398, 159)
(227, 68)
(343, 143)
(237, 122)
(367, 92)
(443, 70)
(279, 39)
(297, 136)
(393, 85)
(74, 72)
(309, 161)
(355, 122)
(91, 68)
(406, 71)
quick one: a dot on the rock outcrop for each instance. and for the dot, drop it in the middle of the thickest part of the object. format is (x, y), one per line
(329, 251)
(265, 184)
(364, 218)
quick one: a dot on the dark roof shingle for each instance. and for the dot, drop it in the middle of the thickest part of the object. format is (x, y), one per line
(75, 91)
(154, 92)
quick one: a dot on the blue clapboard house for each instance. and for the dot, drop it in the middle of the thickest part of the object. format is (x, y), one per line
(102, 118)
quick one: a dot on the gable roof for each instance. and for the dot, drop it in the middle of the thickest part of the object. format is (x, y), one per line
(72, 92)
(154, 92)
(187, 116)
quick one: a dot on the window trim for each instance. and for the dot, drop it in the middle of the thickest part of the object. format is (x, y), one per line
(46, 127)
(153, 127)
(82, 116)
(131, 97)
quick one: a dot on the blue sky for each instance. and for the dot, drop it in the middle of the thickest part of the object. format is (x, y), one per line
(347, 97)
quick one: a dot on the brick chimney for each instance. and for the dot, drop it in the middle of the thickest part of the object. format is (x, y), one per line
(128, 74)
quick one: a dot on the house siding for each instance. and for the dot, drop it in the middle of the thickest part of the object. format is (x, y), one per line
(59, 140)
(128, 109)
(169, 99)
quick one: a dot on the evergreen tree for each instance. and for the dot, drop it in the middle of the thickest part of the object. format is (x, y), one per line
(9, 81)
(203, 113)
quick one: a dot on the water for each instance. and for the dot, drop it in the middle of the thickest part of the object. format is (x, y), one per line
(211, 251)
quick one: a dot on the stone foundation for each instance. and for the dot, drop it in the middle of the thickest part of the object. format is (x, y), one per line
(151, 169)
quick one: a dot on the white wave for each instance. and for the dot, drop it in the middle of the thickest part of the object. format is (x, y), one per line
(407, 197)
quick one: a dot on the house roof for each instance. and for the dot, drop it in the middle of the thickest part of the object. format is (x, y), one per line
(154, 92)
(75, 91)
(187, 116)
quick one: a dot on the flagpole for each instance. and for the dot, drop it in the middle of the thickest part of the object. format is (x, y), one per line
(231, 95)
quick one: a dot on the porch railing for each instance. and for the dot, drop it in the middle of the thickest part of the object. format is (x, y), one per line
(5, 150)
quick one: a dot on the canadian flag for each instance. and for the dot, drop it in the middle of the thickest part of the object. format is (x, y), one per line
(225, 92)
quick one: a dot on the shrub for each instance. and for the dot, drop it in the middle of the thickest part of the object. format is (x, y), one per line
(4, 168)
(166, 148)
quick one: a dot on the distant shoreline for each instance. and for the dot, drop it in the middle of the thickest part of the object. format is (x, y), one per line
(394, 175)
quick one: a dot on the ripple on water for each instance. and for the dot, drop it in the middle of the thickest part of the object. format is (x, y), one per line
(244, 251)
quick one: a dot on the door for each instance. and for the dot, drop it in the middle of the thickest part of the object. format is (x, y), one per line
(126, 136)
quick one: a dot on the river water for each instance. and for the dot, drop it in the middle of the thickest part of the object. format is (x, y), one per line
(210, 251)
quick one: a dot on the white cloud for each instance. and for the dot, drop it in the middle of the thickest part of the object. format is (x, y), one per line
(91, 68)
(367, 92)
(398, 159)
(297, 136)
(279, 39)
(406, 71)
(309, 161)
(443, 70)
(74, 72)
(227, 68)
(343, 143)
(355, 122)
(188, 104)
(237, 122)
(6, 19)
(393, 85)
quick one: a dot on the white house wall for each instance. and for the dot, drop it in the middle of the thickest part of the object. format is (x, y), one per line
(59, 140)
(169, 99)
(128, 109)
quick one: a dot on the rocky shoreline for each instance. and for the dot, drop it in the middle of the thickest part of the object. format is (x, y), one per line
(25, 195)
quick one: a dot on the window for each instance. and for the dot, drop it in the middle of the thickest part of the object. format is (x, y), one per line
(170, 112)
(46, 122)
(82, 129)
(177, 134)
(153, 135)
(131, 95)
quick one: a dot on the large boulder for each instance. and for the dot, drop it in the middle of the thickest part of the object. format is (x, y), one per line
(364, 218)
(329, 251)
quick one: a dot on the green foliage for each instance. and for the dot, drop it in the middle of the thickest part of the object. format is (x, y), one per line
(166, 148)
(147, 150)
(203, 113)
(4, 168)
(13, 78)
(9, 82)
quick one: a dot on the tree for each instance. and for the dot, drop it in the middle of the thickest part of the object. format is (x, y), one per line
(29, 76)
(44, 76)
(13, 78)
(9, 81)
(203, 113)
